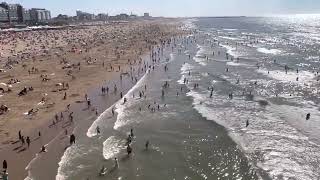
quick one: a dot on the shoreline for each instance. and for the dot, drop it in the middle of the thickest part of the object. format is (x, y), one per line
(57, 147)
(24, 155)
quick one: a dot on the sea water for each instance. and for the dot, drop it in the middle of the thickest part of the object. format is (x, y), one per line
(195, 136)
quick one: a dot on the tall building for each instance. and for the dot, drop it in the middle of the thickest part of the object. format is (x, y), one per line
(26, 16)
(15, 13)
(84, 15)
(11, 13)
(146, 15)
(38, 15)
(3, 15)
(102, 17)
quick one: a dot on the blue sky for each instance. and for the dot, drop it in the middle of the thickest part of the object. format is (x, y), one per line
(175, 8)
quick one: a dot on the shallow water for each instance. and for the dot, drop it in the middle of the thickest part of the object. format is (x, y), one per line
(193, 136)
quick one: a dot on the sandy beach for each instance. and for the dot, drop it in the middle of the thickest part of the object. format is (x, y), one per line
(42, 72)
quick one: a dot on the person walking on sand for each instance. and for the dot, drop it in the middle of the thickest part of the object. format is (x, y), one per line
(43, 149)
(22, 141)
(4, 165)
(65, 96)
(88, 102)
(20, 136)
(28, 141)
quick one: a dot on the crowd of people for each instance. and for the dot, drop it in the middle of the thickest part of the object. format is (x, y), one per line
(100, 47)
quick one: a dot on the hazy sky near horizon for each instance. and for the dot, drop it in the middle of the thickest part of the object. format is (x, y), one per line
(177, 8)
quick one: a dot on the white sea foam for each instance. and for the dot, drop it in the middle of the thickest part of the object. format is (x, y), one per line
(112, 146)
(230, 29)
(201, 61)
(189, 24)
(122, 114)
(230, 38)
(92, 129)
(304, 76)
(200, 56)
(233, 63)
(231, 50)
(283, 151)
(269, 51)
(28, 178)
(64, 162)
(186, 67)
(120, 107)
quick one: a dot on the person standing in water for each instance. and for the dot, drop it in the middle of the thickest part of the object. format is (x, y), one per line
(102, 171)
(308, 116)
(72, 139)
(28, 141)
(147, 145)
(112, 110)
(98, 130)
(247, 123)
(129, 149)
(131, 133)
(116, 164)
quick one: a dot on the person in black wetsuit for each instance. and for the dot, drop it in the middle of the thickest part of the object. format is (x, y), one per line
(129, 149)
(72, 139)
(308, 116)
(98, 130)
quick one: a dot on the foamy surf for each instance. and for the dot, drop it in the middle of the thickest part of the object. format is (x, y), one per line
(232, 63)
(120, 107)
(200, 56)
(230, 50)
(112, 146)
(303, 76)
(73, 152)
(269, 51)
(280, 156)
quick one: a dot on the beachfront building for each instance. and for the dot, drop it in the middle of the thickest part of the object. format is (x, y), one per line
(102, 17)
(26, 16)
(3, 15)
(133, 16)
(84, 16)
(39, 16)
(15, 13)
(146, 15)
(11, 13)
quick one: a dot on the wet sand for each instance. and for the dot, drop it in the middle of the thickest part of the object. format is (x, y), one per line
(115, 46)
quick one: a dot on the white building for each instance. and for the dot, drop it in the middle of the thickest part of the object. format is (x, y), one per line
(40, 15)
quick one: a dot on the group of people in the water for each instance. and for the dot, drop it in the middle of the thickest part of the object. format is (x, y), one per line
(103, 171)
(155, 58)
